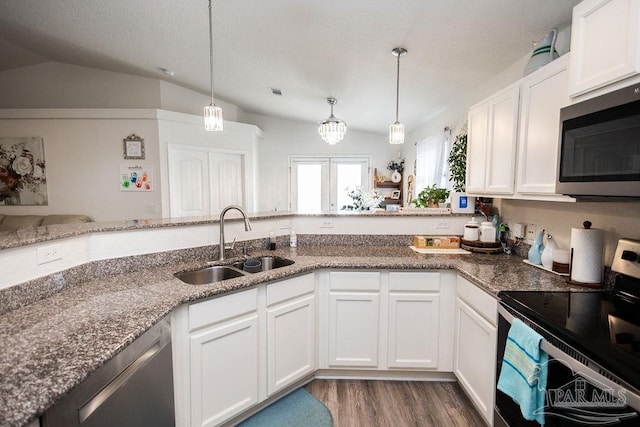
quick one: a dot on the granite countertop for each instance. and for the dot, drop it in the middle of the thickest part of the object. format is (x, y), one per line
(53, 344)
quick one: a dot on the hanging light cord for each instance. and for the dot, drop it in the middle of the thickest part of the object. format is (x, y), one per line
(211, 51)
(398, 87)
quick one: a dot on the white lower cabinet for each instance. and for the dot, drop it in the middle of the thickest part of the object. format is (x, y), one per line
(475, 346)
(353, 319)
(232, 352)
(224, 371)
(388, 320)
(291, 331)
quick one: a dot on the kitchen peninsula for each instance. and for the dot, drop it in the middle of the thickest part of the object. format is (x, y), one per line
(113, 295)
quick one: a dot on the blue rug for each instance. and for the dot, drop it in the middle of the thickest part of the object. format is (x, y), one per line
(296, 409)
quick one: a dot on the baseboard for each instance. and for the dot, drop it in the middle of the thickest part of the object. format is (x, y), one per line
(348, 374)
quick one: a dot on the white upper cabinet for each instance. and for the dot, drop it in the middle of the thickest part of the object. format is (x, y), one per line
(542, 95)
(491, 155)
(605, 45)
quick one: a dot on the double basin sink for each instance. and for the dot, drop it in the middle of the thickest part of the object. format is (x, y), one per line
(217, 273)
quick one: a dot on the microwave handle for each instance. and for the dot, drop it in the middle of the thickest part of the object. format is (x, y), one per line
(579, 368)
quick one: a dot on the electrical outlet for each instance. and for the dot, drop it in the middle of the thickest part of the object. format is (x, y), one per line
(531, 233)
(517, 230)
(442, 224)
(326, 224)
(49, 253)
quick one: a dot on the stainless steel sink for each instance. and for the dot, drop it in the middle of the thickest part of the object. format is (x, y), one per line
(267, 263)
(211, 274)
(217, 273)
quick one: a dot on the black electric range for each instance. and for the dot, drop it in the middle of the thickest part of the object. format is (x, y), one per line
(598, 326)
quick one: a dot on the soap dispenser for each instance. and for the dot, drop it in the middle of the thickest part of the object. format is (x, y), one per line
(535, 253)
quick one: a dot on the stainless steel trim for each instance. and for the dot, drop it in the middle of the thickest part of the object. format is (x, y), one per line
(94, 403)
(632, 398)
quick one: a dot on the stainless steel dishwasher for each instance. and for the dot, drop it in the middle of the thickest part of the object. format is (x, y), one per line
(134, 388)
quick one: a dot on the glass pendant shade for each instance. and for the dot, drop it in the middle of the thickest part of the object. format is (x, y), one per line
(332, 130)
(213, 118)
(396, 133)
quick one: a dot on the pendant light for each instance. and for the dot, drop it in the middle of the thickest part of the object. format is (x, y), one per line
(332, 130)
(212, 114)
(396, 130)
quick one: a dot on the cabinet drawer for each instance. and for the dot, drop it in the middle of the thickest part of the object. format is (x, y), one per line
(223, 308)
(414, 281)
(354, 280)
(290, 288)
(479, 300)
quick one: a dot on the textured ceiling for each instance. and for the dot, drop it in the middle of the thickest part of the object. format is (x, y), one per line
(310, 49)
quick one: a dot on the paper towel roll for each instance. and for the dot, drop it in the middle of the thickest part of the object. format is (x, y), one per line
(587, 246)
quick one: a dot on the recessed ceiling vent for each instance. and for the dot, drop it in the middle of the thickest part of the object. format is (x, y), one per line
(276, 91)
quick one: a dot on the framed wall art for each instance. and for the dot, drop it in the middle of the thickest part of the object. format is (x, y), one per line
(133, 147)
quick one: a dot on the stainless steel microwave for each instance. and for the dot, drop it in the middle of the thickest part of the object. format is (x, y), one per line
(599, 150)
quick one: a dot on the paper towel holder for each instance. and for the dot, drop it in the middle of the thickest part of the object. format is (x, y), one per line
(587, 225)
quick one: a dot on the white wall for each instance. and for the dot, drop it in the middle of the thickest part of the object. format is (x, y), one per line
(283, 138)
(83, 154)
(617, 219)
(58, 85)
(238, 138)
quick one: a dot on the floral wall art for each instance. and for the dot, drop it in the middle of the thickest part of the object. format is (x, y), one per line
(22, 171)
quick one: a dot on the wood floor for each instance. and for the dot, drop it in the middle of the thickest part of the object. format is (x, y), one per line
(355, 403)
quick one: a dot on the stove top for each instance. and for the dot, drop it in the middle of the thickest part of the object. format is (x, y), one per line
(604, 326)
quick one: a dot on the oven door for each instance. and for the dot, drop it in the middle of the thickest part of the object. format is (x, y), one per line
(576, 394)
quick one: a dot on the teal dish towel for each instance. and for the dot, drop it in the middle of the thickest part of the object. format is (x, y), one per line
(524, 371)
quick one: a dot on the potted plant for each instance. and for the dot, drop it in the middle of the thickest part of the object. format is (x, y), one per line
(397, 168)
(431, 197)
(460, 202)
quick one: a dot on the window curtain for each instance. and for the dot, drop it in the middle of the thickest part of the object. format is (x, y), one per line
(432, 166)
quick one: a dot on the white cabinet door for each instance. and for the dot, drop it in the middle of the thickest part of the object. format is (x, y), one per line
(503, 132)
(605, 43)
(475, 358)
(354, 319)
(224, 370)
(491, 149)
(477, 148)
(413, 330)
(543, 93)
(291, 341)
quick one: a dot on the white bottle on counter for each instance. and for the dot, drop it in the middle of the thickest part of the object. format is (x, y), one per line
(293, 239)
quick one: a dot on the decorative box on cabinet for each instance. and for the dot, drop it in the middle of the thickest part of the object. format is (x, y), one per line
(605, 44)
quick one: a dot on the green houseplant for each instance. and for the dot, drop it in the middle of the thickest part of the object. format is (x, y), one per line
(458, 162)
(460, 202)
(431, 197)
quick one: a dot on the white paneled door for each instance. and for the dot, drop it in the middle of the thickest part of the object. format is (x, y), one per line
(204, 180)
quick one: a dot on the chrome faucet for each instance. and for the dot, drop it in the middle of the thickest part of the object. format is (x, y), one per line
(247, 226)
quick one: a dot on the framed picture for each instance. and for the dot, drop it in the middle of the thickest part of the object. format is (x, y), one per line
(133, 147)
(395, 195)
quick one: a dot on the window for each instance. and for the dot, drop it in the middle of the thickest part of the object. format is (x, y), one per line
(319, 184)
(432, 166)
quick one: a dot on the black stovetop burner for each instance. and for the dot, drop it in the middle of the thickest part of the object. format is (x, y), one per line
(604, 326)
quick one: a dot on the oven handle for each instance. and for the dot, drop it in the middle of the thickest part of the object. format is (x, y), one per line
(632, 398)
